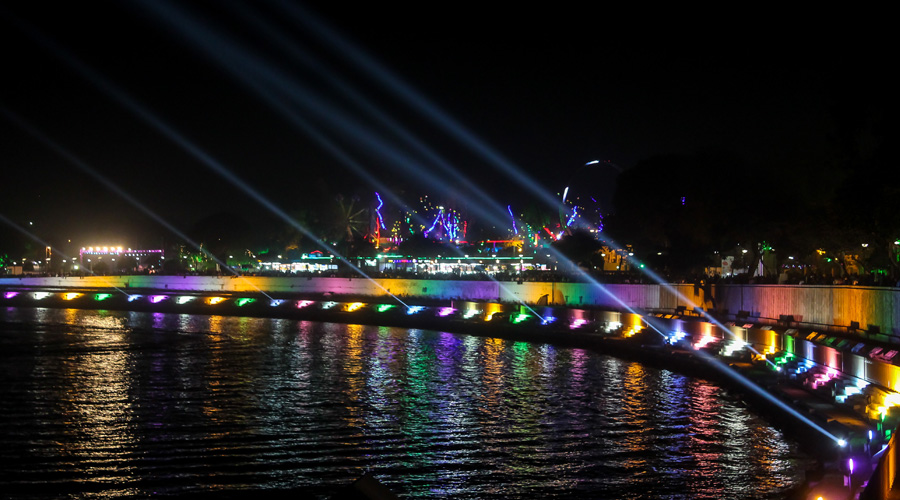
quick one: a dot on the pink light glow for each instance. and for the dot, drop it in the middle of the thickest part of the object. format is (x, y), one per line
(446, 311)
(577, 323)
(303, 303)
(704, 341)
(10, 295)
(158, 298)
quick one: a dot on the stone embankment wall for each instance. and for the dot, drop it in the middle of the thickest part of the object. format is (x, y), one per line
(812, 305)
(558, 294)
(828, 306)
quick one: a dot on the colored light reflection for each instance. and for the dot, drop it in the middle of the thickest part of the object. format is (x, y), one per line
(385, 307)
(41, 295)
(184, 299)
(520, 318)
(732, 347)
(304, 303)
(354, 306)
(244, 301)
(132, 298)
(446, 311)
(214, 300)
(704, 341)
(71, 295)
(102, 296)
(577, 323)
(414, 309)
(156, 299)
(676, 337)
(547, 320)
(10, 295)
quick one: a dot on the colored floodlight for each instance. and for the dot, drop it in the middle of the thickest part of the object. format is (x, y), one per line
(132, 298)
(303, 303)
(446, 311)
(414, 309)
(71, 295)
(276, 302)
(156, 299)
(102, 296)
(184, 299)
(354, 306)
(329, 304)
(244, 301)
(10, 295)
(385, 307)
(214, 300)
(41, 295)
(577, 323)
(704, 341)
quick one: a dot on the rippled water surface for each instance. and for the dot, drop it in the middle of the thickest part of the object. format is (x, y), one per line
(112, 404)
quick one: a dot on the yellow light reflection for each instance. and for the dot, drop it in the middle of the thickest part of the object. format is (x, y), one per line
(71, 295)
(214, 300)
(491, 309)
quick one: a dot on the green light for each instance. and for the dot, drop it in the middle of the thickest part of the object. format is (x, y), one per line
(520, 318)
(244, 301)
(102, 296)
(384, 307)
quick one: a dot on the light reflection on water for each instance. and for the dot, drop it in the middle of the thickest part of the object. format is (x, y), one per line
(111, 404)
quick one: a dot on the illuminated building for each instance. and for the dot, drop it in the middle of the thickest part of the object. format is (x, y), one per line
(144, 259)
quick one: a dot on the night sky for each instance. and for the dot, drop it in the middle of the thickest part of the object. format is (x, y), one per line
(548, 90)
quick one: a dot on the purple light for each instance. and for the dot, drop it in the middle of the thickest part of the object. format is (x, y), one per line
(158, 298)
(509, 209)
(378, 211)
(10, 295)
(446, 311)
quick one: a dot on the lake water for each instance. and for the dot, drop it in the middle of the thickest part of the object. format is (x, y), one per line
(124, 404)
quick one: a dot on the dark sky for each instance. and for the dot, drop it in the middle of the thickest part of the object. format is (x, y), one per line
(547, 89)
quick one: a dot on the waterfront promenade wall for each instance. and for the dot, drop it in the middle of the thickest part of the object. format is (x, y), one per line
(549, 293)
(812, 306)
(876, 309)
